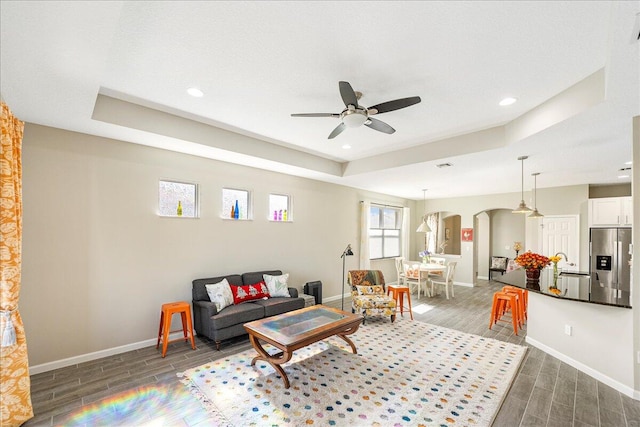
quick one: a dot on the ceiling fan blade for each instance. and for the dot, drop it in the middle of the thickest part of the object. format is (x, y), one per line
(337, 131)
(393, 105)
(348, 95)
(379, 125)
(315, 115)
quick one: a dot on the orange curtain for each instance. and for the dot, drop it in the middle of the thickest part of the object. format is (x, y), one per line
(15, 385)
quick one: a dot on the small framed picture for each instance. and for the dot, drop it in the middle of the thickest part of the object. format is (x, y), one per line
(447, 233)
(467, 234)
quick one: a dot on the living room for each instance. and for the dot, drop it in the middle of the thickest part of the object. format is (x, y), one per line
(98, 261)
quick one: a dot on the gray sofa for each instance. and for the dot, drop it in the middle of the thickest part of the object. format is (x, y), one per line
(228, 322)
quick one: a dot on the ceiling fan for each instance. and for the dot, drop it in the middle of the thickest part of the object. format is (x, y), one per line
(355, 115)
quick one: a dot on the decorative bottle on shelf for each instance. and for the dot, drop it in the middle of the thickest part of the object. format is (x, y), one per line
(179, 210)
(280, 215)
(233, 212)
(284, 215)
(275, 215)
(236, 214)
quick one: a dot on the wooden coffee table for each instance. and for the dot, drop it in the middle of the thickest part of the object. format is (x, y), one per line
(299, 328)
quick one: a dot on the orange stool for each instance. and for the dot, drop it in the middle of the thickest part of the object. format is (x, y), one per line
(168, 310)
(502, 301)
(522, 299)
(399, 291)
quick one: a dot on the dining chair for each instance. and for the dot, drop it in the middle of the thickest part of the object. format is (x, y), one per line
(413, 278)
(436, 274)
(446, 281)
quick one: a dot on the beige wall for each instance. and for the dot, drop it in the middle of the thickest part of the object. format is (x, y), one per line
(98, 262)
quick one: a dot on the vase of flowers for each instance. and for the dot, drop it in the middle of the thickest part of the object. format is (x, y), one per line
(532, 263)
(426, 256)
(555, 259)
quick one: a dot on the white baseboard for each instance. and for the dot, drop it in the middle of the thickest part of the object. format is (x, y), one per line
(622, 388)
(466, 285)
(50, 366)
(483, 277)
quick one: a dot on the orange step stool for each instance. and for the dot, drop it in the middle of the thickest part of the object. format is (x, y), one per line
(502, 301)
(398, 292)
(168, 310)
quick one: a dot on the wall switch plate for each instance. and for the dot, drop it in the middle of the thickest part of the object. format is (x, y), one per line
(639, 357)
(568, 329)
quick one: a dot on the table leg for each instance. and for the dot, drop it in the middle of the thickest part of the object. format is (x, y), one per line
(275, 360)
(344, 334)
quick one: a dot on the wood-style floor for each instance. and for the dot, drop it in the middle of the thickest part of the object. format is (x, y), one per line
(139, 388)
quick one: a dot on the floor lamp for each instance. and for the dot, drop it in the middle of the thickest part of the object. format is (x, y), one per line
(347, 252)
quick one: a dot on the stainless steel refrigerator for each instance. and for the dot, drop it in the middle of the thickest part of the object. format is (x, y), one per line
(610, 253)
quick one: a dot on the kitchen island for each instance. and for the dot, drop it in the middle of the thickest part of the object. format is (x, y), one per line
(593, 337)
(568, 286)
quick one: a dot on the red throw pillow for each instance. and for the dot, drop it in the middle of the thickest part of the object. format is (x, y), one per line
(249, 292)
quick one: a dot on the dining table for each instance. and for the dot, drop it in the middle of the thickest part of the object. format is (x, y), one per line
(425, 269)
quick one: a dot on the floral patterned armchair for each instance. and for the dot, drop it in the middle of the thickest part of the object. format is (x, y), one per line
(368, 294)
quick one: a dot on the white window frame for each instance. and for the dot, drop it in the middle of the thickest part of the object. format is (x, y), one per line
(270, 215)
(196, 199)
(226, 210)
(374, 230)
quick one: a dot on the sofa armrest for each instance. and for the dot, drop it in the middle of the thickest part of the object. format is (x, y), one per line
(293, 292)
(202, 312)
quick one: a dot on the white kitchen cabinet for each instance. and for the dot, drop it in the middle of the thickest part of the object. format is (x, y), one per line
(610, 212)
(626, 217)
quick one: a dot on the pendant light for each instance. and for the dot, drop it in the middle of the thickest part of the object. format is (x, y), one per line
(535, 213)
(424, 227)
(522, 207)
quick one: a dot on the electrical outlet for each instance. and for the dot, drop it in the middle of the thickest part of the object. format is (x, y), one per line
(568, 329)
(639, 357)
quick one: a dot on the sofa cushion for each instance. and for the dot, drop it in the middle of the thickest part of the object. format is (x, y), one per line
(279, 305)
(257, 276)
(237, 314)
(199, 291)
(220, 294)
(250, 292)
(277, 285)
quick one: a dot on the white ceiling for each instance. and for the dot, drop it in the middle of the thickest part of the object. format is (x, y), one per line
(258, 62)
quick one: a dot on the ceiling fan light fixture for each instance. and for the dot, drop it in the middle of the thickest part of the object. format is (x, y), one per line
(353, 118)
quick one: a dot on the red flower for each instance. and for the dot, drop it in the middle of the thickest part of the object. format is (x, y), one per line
(530, 260)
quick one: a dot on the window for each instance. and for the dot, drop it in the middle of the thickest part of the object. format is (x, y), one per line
(384, 233)
(177, 199)
(236, 204)
(279, 207)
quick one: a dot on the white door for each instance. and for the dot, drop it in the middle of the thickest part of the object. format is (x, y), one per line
(561, 234)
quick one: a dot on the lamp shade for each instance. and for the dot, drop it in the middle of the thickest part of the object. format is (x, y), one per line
(522, 208)
(424, 228)
(536, 214)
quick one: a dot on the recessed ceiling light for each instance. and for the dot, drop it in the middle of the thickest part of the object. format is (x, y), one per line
(346, 146)
(507, 101)
(623, 176)
(195, 92)
(628, 163)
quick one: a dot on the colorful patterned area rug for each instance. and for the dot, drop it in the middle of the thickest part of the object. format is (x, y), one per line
(405, 373)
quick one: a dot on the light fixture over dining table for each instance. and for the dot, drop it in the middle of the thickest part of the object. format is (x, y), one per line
(424, 227)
